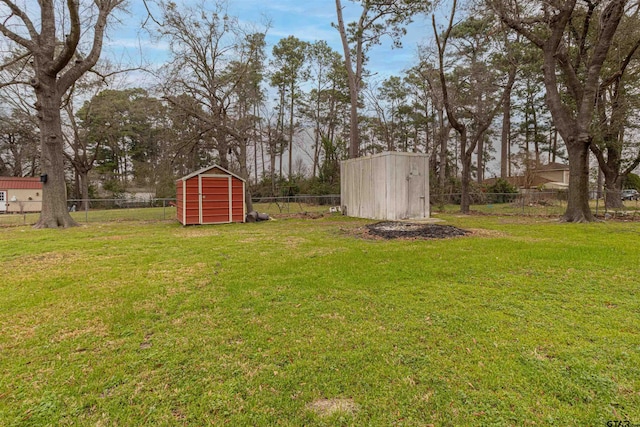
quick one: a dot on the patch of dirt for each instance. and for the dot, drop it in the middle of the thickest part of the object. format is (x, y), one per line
(328, 407)
(409, 230)
(481, 232)
(301, 215)
(46, 260)
(195, 232)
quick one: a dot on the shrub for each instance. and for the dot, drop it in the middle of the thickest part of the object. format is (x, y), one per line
(501, 192)
(632, 181)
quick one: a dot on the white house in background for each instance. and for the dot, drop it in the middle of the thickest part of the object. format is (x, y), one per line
(552, 176)
(18, 195)
(556, 176)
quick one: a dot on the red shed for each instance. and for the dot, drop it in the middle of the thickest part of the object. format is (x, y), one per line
(212, 195)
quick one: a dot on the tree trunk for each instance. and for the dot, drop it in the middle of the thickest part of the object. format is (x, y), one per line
(506, 137)
(505, 148)
(316, 153)
(223, 148)
(256, 113)
(600, 184)
(480, 160)
(442, 139)
(578, 209)
(613, 190)
(291, 108)
(536, 144)
(83, 178)
(465, 198)
(55, 213)
(316, 136)
(554, 149)
(353, 78)
(272, 170)
(264, 170)
(526, 134)
(354, 132)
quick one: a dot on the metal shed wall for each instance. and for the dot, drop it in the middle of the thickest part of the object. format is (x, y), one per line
(386, 186)
(210, 196)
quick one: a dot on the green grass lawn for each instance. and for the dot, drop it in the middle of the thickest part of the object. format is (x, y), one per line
(526, 322)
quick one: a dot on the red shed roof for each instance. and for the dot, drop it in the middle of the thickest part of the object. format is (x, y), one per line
(15, 183)
(207, 169)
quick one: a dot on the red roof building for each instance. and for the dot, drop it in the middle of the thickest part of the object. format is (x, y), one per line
(20, 194)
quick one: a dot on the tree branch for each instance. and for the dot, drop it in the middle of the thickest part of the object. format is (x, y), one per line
(28, 44)
(71, 40)
(623, 66)
(14, 83)
(15, 61)
(25, 19)
(74, 73)
(442, 45)
(515, 24)
(610, 19)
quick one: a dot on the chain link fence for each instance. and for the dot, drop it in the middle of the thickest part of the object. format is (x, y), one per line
(158, 209)
(98, 210)
(534, 203)
(546, 204)
(296, 204)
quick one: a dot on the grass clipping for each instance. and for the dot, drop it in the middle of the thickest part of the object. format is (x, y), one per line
(328, 407)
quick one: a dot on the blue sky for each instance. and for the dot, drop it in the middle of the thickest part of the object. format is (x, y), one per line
(309, 20)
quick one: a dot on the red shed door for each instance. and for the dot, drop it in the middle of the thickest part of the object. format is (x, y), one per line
(215, 199)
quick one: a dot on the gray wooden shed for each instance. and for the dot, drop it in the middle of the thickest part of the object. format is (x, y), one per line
(387, 186)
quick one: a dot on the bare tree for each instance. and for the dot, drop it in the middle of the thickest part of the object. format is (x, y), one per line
(378, 18)
(441, 128)
(472, 120)
(82, 152)
(213, 60)
(617, 101)
(19, 134)
(290, 69)
(326, 72)
(18, 144)
(52, 60)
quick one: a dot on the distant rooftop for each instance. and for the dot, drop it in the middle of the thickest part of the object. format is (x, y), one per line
(553, 167)
(20, 183)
